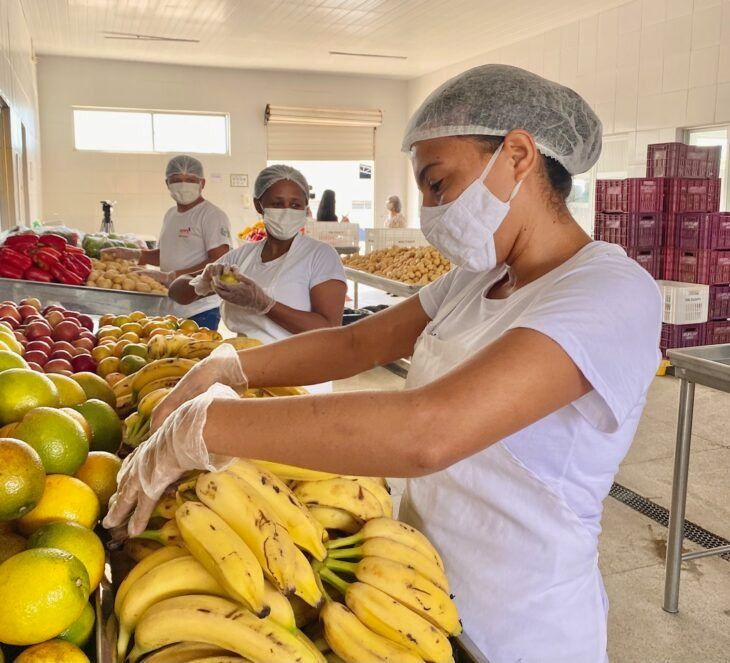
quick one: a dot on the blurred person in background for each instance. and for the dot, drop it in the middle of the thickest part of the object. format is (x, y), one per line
(326, 209)
(395, 218)
(195, 233)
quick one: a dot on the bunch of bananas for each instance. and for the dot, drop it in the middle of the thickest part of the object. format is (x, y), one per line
(161, 346)
(238, 567)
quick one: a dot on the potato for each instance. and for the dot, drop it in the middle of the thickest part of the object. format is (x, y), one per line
(143, 287)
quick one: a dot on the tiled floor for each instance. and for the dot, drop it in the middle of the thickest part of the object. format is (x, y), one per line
(633, 547)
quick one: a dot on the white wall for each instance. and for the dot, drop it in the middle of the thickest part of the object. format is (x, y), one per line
(18, 90)
(74, 182)
(648, 68)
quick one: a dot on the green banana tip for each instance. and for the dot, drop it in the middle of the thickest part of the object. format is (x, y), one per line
(344, 542)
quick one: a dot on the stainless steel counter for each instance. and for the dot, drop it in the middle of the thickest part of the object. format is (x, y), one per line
(357, 276)
(709, 366)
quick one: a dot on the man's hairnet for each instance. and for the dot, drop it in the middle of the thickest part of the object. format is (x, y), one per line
(183, 164)
(276, 173)
(493, 99)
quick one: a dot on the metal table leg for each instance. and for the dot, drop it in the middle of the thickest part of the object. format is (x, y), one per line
(356, 293)
(679, 496)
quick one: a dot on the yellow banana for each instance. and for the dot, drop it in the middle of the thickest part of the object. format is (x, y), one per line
(177, 577)
(394, 621)
(285, 391)
(356, 643)
(165, 507)
(168, 535)
(148, 402)
(186, 652)
(222, 552)
(282, 611)
(335, 519)
(155, 385)
(341, 493)
(292, 473)
(197, 349)
(123, 387)
(139, 549)
(160, 368)
(304, 614)
(218, 659)
(306, 532)
(157, 347)
(243, 342)
(376, 487)
(216, 621)
(157, 557)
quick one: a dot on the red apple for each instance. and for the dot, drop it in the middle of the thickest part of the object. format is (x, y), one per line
(53, 307)
(83, 363)
(54, 317)
(84, 343)
(68, 330)
(58, 365)
(38, 344)
(7, 302)
(71, 315)
(31, 301)
(21, 337)
(36, 329)
(62, 345)
(36, 356)
(11, 322)
(26, 311)
(85, 333)
(9, 310)
(35, 366)
(86, 322)
(61, 354)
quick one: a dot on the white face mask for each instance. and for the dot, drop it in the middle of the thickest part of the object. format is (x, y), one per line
(463, 230)
(185, 192)
(284, 223)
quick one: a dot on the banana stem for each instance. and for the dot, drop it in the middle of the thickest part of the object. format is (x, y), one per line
(152, 535)
(318, 567)
(346, 553)
(345, 542)
(333, 579)
(339, 565)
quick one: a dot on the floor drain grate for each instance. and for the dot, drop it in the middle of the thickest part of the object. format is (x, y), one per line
(659, 514)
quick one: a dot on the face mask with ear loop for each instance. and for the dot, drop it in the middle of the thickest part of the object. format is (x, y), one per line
(463, 230)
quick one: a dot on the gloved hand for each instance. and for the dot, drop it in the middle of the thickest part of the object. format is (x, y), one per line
(245, 293)
(164, 278)
(221, 366)
(120, 253)
(177, 447)
(203, 283)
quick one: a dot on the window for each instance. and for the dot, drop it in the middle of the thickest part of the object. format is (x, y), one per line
(716, 136)
(150, 131)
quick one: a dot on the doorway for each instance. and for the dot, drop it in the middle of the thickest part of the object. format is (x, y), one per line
(7, 194)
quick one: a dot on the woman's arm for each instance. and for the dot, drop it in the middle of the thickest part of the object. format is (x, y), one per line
(513, 382)
(149, 257)
(328, 302)
(181, 291)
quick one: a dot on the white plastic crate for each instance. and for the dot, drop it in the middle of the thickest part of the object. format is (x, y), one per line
(684, 303)
(339, 235)
(384, 238)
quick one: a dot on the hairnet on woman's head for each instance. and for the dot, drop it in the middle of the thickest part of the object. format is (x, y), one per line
(276, 173)
(393, 203)
(184, 164)
(494, 99)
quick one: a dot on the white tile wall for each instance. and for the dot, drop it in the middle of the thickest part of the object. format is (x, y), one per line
(18, 89)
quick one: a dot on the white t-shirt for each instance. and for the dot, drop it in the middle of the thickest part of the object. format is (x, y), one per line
(288, 279)
(185, 240)
(605, 311)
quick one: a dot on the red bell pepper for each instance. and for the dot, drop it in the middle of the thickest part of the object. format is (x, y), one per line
(65, 276)
(21, 242)
(38, 274)
(15, 258)
(54, 241)
(70, 248)
(8, 271)
(46, 257)
(73, 264)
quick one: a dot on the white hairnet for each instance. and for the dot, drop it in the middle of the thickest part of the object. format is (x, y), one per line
(276, 173)
(183, 164)
(493, 99)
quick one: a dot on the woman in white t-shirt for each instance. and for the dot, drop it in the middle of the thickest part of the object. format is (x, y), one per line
(287, 284)
(530, 367)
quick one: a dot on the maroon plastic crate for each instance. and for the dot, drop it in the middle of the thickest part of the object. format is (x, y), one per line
(642, 231)
(682, 336)
(698, 230)
(681, 160)
(717, 332)
(610, 196)
(720, 230)
(644, 194)
(704, 266)
(684, 194)
(719, 305)
(649, 259)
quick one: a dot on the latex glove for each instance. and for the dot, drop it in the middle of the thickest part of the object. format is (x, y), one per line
(245, 293)
(120, 253)
(203, 283)
(221, 366)
(177, 447)
(164, 278)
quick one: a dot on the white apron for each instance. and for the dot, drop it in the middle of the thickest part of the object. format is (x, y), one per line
(523, 567)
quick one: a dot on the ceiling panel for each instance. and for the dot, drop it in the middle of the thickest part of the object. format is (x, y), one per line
(297, 34)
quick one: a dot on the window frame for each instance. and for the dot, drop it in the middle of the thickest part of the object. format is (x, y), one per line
(151, 113)
(724, 176)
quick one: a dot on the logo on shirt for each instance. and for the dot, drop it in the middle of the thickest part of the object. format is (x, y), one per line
(224, 232)
(185, 232)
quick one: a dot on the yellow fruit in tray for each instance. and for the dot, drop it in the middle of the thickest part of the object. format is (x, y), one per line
(59, 439)
(131, 327)
(131, 364)
(136, 316)
(9, 359)
(119, 347)
(42, 592)
(76, 539)
(138, 349)
(96, 387)
(188, 326)
(101, 352)
(69, 391)
(107, 365)
(22, 390)
(58, 651)
(99, 472)
(106, 428)
(22, 478)
(108, 330)
(129, 336)
(79, 633)
(113, 378)
(64, 498)
(79, 417)
(106, 319)
(122, 320)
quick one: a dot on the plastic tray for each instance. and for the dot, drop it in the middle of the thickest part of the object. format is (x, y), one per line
(684, 303)
(339, 235)
(385, 238)
(640, 230)
(681, 160)
(719, 304)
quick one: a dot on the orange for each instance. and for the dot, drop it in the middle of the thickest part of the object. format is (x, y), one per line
(58, 651)
(131, 364)
(113, 378)
(96, 387)
(129, 336)
(101, 352)
(22, 390)
(108, 365)
(22, 478)
(10, 359)
(69, 391)
(80, 631)
(99, 472)
(120, 345)
(106, 428)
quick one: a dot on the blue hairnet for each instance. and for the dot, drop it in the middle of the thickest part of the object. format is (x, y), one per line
(493, 99)
(276, 173)
(183, 164)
